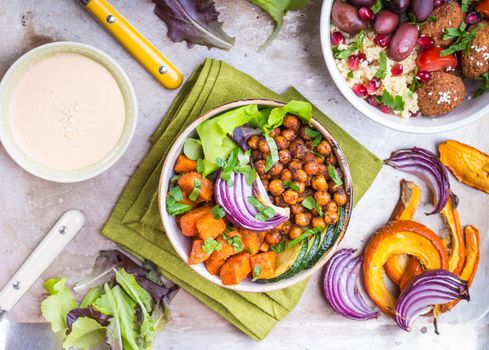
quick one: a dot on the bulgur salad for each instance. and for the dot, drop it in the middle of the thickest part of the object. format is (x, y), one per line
(412, 57)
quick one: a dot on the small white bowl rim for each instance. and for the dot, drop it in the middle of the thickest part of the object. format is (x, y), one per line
(370, 111)
(167, 171)
(38, 169)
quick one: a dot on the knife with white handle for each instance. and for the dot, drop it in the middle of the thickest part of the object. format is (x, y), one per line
(53, 243)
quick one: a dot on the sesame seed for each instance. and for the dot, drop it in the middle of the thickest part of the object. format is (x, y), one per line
(444, 97)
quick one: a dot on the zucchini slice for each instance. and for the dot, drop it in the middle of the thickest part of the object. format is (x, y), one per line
(317, 240)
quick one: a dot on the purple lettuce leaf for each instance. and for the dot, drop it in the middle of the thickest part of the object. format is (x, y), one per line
(90, 312)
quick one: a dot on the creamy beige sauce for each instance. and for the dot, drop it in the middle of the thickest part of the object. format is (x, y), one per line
(67, 112)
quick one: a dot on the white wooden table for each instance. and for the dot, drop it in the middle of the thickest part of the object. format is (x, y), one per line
(29, 206)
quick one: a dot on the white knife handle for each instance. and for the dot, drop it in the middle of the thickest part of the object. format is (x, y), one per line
(53, 243)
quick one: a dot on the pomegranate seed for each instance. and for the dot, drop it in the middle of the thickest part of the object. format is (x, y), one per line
(366, 14)
(372, 101)
(359, 90)
(438, 3)
(384, 109)
(472, 18)
(373, 85)
(397, 69)
(337, 38)
(381, 40)
(362, 56)
(353, 62)
(423, 76)
(425, 42)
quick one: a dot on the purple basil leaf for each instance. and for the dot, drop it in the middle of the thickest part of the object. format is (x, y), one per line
(195, 21)
(74, 314)
(242, 134)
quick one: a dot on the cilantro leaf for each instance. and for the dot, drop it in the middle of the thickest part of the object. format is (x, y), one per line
(256, 272)
(352, 47)
(382, 71)
(175, 208)
(210, 245)
(176, 193)
(396, 103)
(464, 39)
(218, 212)
(196, 190)
(333, 174)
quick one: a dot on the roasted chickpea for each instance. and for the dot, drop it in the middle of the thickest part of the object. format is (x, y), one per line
(263, 146)
(330, 217)
(286, 175)
(276, 169)
(332, 186)
(275, 132)
(266, 183)
(301, 186)
(291, 122)
(302, 134)
(256, 154)
(298, 149)
(290, 197)
(300, 175)
(322, 197)
(288, 134)
(311, 168)
(296, 208)
(332, 159)
(319, 183)
(309, 157)
(264, 247)
(295, 232)
(276, 187)
(285, 227)
(260, 166)
(318, 222)
(340, 196)
(320, 160)
(295, 165)
(324, 148)
(253, 141)
(331, 206)
(284, 156)
(322, 169)
(273, 237)
(303, 219)
(282, 144)
(279, 200)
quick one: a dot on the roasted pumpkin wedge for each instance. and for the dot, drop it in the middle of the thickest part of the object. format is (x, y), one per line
(469, 165)
(404, 210)
(413, 269)
(396, 238)
(456, 247)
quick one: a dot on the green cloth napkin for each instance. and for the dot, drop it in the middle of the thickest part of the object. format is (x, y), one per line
(135, 221)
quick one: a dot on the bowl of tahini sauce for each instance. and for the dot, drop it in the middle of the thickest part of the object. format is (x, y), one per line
(67, 112)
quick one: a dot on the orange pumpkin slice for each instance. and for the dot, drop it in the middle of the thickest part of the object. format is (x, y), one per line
(396, 238)
(456, 246)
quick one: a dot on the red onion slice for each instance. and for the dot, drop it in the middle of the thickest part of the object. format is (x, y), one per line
(425, 165)
(342, 289)
(426, 290)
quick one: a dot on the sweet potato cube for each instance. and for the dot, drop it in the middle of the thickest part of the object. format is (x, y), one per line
(236, 269)
(187, 183)
(266, 263)
(197, 255)
(208, 226)
(188, 220)
(214, 265)
(183, 164)
(252, 240)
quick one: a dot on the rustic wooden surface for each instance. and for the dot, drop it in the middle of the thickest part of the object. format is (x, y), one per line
(29, 206)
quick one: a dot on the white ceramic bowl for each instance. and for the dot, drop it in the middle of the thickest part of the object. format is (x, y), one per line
(183, 244)
(468, 112)
(8, 84)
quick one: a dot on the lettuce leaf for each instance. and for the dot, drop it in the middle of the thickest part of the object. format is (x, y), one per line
(299, 108)
(277, 9)
(196, 22)
(58, 304)
(85, 334)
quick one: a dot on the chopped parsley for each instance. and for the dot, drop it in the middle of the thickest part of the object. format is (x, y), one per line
(264, 213)
(280, 247)
(382, 71)
(466, 5)
(234, 241)
(396, 103)
(218, 212)
(211, 245)
(237, 162)
(377, 6)
(176, 193)
(256, 272)
(333, 174)
(415, 84)
(484, 86)
(292, 185)
(196, 190)
(352, 47)
(464, 39)
(310, 203)
(173, 205)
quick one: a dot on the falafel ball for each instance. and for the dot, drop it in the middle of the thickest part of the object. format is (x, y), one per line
(448, 15)
(475, 62)
(441, 94)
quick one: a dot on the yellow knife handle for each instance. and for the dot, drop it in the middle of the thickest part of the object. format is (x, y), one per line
(158, 65)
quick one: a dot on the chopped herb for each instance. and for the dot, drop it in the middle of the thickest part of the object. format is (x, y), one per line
(175, 208)
(235, 241)
(174, 180)
(350, 75)
(396, 103)
(304, 235)
(415, 83)
(382, 71)
(264, 213)
(280, 247)
(484, 86)
(273, 158)
(333, 174)
(412, 18)
(176, 193)
(250, 176)
(237, 162)
(377, 6)
(292, 185)
(211, 245)
(200, 166)
(256, 203)
(319, 155)
(352, 47)
(220, 162)
(230, 164)
(310, 203)
(218, 212)
(464, 39)
(196, 190)
(466, 5)
(256, 272)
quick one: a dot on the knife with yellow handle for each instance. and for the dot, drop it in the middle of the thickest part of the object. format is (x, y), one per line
(158, 65)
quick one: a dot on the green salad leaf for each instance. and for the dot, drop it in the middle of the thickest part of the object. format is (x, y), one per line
(301, 109)
(58, 304)
(192, 148)
(92, 295)
(86, 333)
